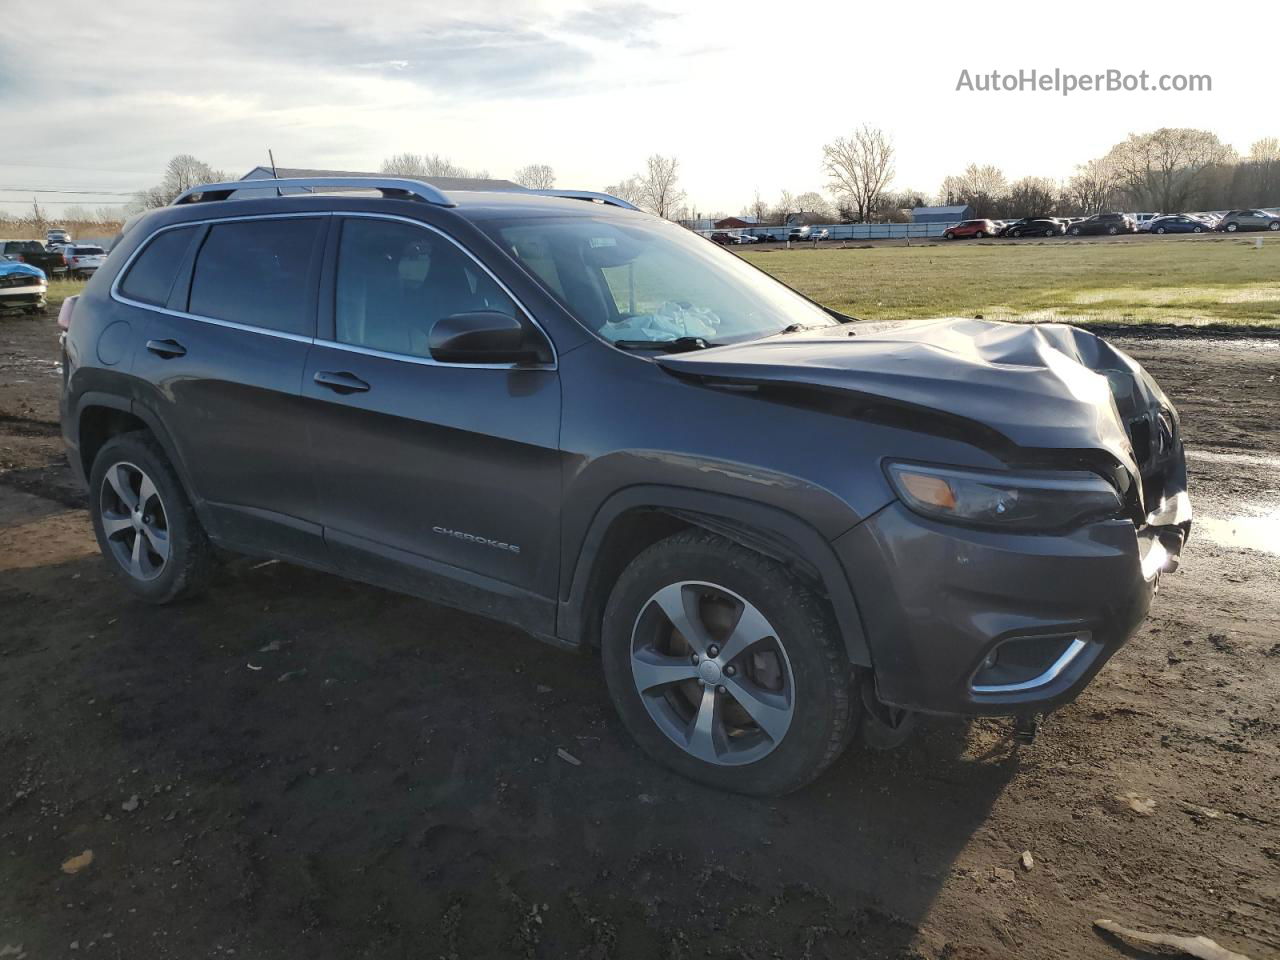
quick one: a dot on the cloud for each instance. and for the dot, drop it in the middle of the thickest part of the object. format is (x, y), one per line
(461, 58)
(624, 20)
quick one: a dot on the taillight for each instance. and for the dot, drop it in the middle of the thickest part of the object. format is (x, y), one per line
(64, 312)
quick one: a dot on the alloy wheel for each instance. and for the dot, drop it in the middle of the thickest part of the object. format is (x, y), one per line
(712, 673)
(134, 521)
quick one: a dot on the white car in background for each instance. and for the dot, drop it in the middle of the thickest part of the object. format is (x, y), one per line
(83, 260)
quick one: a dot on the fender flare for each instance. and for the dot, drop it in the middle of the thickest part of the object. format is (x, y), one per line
(97, 398)
(756, 526)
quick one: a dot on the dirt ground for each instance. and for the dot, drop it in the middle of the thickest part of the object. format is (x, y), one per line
(295, 766)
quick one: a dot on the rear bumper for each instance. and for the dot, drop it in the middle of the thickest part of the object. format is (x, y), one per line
(945, 607)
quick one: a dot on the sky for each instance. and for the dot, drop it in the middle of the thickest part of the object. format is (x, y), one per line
(744, 94)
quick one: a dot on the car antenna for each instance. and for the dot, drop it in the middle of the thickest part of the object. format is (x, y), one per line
(274, 176)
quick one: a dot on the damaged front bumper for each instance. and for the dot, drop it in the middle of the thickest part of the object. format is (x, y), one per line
(969, 621)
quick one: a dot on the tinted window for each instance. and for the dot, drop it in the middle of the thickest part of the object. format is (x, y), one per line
(396, 280)
(88, 251)
(151, 277)
(256, 272)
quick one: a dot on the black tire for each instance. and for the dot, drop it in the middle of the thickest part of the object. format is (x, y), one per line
(948, 235)
(825, 712)
(980, 235)
(1232, 227)
(1274, 225)
(1161, 230)
(1051, 233)
(1197, 229)
(1075, 231)
(1112, 231)
(190, 563)
(1015, 233)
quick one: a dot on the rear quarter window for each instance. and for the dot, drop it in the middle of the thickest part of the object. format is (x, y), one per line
(257, 272)
(151, 275)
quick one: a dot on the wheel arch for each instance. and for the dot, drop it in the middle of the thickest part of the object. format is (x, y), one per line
(637, 517)
(101, 416)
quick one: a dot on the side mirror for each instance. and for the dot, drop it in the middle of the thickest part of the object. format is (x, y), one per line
(482, 336)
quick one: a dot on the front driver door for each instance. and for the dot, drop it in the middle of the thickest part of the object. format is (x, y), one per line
(440, 479)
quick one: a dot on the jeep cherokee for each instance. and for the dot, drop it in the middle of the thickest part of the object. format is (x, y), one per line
(779, 527)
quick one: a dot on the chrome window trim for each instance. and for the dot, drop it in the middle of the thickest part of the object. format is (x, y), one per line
(1074, 649)
(334, 344)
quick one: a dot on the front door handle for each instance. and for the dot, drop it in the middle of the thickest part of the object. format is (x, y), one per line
(340, 382)
(166, 348)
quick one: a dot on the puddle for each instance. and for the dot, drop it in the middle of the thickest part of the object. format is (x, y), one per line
(1259, 532)
(1249, 459)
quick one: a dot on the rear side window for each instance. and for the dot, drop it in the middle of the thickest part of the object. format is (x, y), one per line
(151, 276)
(88, 251)
(256, 272)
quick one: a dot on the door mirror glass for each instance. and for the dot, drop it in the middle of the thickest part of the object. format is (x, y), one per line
(481, 336)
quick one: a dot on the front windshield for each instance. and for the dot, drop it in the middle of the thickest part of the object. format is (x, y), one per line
(644, 281)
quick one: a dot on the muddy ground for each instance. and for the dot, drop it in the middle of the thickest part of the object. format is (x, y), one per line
(295, 766)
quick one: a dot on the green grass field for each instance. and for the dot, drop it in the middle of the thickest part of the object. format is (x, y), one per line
(1191, 281)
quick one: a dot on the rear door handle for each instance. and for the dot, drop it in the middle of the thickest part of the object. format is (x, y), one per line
(340, 382)
(166, 348)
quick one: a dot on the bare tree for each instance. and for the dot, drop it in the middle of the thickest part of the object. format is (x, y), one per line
(981, 186)
(757, 208)
(1093, 187)
(629, 189)
(813, 202)
(427, 165)
(785, 207)
(660, 190)
(860, 168)
(1032, 197)
(1166, 169)
(1264, 159)
(536, 176)
(181, 173)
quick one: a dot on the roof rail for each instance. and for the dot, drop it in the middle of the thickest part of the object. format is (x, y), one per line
(588, 195)
(392, 187)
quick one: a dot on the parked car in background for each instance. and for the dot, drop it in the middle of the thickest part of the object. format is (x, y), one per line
(1236, 220)
(33, 252)
(1142, 221)
(56, 236)
(972, 229)
(1033, 227)
(82, 261)
(798, 233)
(722, 237)
(1177, 223)
(22, 286)
(822, 234)
(1108, 224)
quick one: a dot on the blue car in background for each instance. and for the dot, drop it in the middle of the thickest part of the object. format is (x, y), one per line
(22, 286)
(1177, 223)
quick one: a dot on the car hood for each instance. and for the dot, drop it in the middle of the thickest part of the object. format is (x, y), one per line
(10, 267)
(1043, 386)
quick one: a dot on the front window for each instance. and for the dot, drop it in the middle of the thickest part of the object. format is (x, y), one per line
(641, 281)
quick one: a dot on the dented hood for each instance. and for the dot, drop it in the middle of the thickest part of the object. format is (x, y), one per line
(1047, 386)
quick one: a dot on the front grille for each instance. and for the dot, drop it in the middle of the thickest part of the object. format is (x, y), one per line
(19, 280)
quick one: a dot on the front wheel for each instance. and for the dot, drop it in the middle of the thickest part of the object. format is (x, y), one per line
(948, 235)
(1016, 233)
(1274, 225)
(1232, 227)
(726, 668)
(1112, 231)
(1161, 231)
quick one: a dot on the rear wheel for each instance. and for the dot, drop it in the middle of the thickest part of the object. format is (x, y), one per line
(1274, 225)
(146, 527)
(725, 668)
(1112, 231)
(1051, 233)
(980, 235)
(1015, 233)
(1197, 229)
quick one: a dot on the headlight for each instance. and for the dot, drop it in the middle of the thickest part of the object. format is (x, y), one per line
(1031, 501)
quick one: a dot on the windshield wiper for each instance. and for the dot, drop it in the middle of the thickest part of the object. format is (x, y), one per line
(678, 345)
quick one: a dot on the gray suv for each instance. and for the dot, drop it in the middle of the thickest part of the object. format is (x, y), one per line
(779, 527)
(1237, 220)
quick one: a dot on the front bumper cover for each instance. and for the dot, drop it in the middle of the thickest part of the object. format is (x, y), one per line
(937, 600)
